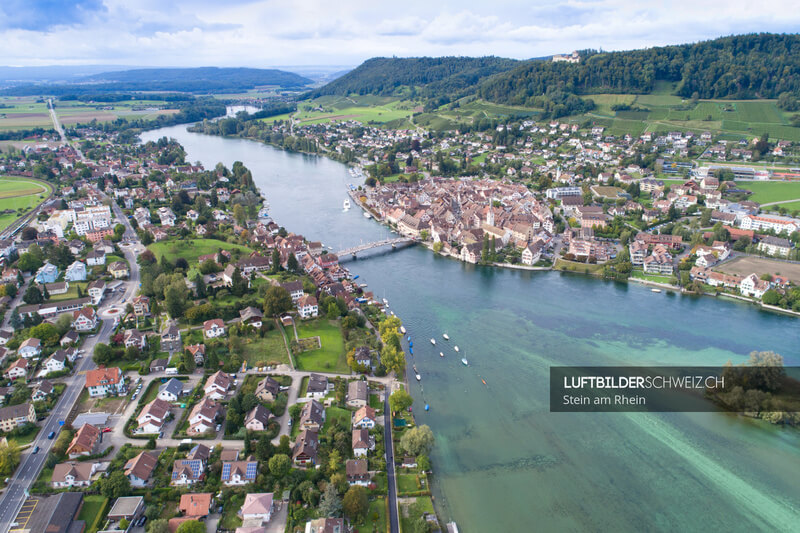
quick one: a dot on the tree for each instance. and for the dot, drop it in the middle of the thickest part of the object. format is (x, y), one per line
(33, 295)
(191, 526)
(200, 286)
(15, 321)
(239, 214)
(115, 485)
(423, 463)
(275, 261)
(331, 504)
(417, 440)
(292, 264)
(279, 465)
(175, 299)
(46, 332)
(400, 400)
(334, 462)
(9, 458)
(28, 262)
(393, 359)
(239, 285)
(333, 311)
(277, 300)
(160, 525)
(356, 503)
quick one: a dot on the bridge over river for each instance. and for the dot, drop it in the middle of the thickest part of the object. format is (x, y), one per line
(353, 251)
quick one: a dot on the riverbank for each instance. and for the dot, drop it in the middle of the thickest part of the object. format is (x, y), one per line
(502, 460)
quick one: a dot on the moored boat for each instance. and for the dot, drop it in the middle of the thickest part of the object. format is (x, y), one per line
(656, 290)
(446, 336)
(346, 204)
(403, 330)
(367, 215)
(441, 354)
(464, 361)
(433, 341)
(455, 348)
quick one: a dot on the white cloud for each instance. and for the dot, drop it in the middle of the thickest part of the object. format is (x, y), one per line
(313, 32)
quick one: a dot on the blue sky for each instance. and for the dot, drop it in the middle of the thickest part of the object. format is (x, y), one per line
(262, 33)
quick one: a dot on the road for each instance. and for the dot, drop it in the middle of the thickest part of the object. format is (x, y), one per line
(31, 464)
(394, 522)
(54, 117)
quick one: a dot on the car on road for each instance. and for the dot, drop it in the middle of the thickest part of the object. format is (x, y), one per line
(51, 435)
(141, 521)
(35, 450)
(106, 430)
(219, 426)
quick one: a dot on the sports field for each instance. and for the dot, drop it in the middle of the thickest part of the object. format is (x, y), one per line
(18, 196)
(746, 265)
(765, 192)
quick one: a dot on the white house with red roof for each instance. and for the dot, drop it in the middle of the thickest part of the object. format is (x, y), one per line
(103, 381)
(84, 319)
(214, 328)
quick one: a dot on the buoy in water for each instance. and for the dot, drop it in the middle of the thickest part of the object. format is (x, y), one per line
(427, 407)
(484, 381)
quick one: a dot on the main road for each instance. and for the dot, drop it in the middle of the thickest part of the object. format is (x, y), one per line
(31, 463)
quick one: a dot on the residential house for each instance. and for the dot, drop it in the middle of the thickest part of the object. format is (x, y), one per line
(29, 348)
(327, 525)
(198, 352)
(364, 418)
(531, 254)
(103, 381)
(203, 417)
(753, 287)
(312, 415)
(251, 316)
(55, 363)
(84, 319)
(217, 385)
(307, 306)
(85, 442)
(96, 289)
(141, 306)
(133, 338)
(17, 369)
(188, 471)
(153, 417)
(214, 328)
(257, 507)
(171, 391)
(5, 336)
(306, 446)
(775, 246)
(318, 386)
(158, 365)
(357, 393)
(48, 273)
(69, 338)
(196, 505)
(357, 472)
(239, 472)
(13, 416)
(119, 270)
(139, 469)
(362, 442)
(267, 389)
(67, 475)
(295, 290)
(75, 272)
(42, 390)
(257, 419)
(171, 338)
(96, 258)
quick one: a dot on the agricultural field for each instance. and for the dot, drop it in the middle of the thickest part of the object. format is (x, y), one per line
(366, 109)
(22, 113)
(747, 264)
(18, 196)
(74, 112)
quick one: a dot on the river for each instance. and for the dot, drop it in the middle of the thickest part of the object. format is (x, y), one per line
(503, 462)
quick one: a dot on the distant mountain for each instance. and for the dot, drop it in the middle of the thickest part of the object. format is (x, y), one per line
(192, 80)
(51, 74)
(427, 76)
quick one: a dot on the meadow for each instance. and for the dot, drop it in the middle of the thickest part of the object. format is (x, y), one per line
(765, 192)
(18, 196)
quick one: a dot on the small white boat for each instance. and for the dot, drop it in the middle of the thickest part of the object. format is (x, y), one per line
(656, 290)
(346, 204)
(419, 378)
(441, 354)
(363, 285)
(367, 215)
(464, 361)
(385, 301)
(403, 330)
(446, 336)
(455, 348)
(433, 341)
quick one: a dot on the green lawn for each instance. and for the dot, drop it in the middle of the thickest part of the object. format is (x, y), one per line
(772, 191)
(638, 274)
(229, 519)
(423, 505)
(26, 439)
(406, 483)
(376, 517)
(336, 416)
(19, 196)
(191, 249)
(331, 356)
(790, 207)
(71, 293)
(574, 266)
(270, 350)
(93, 506)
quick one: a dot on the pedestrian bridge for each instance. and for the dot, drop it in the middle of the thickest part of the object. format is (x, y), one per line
(355, 250)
